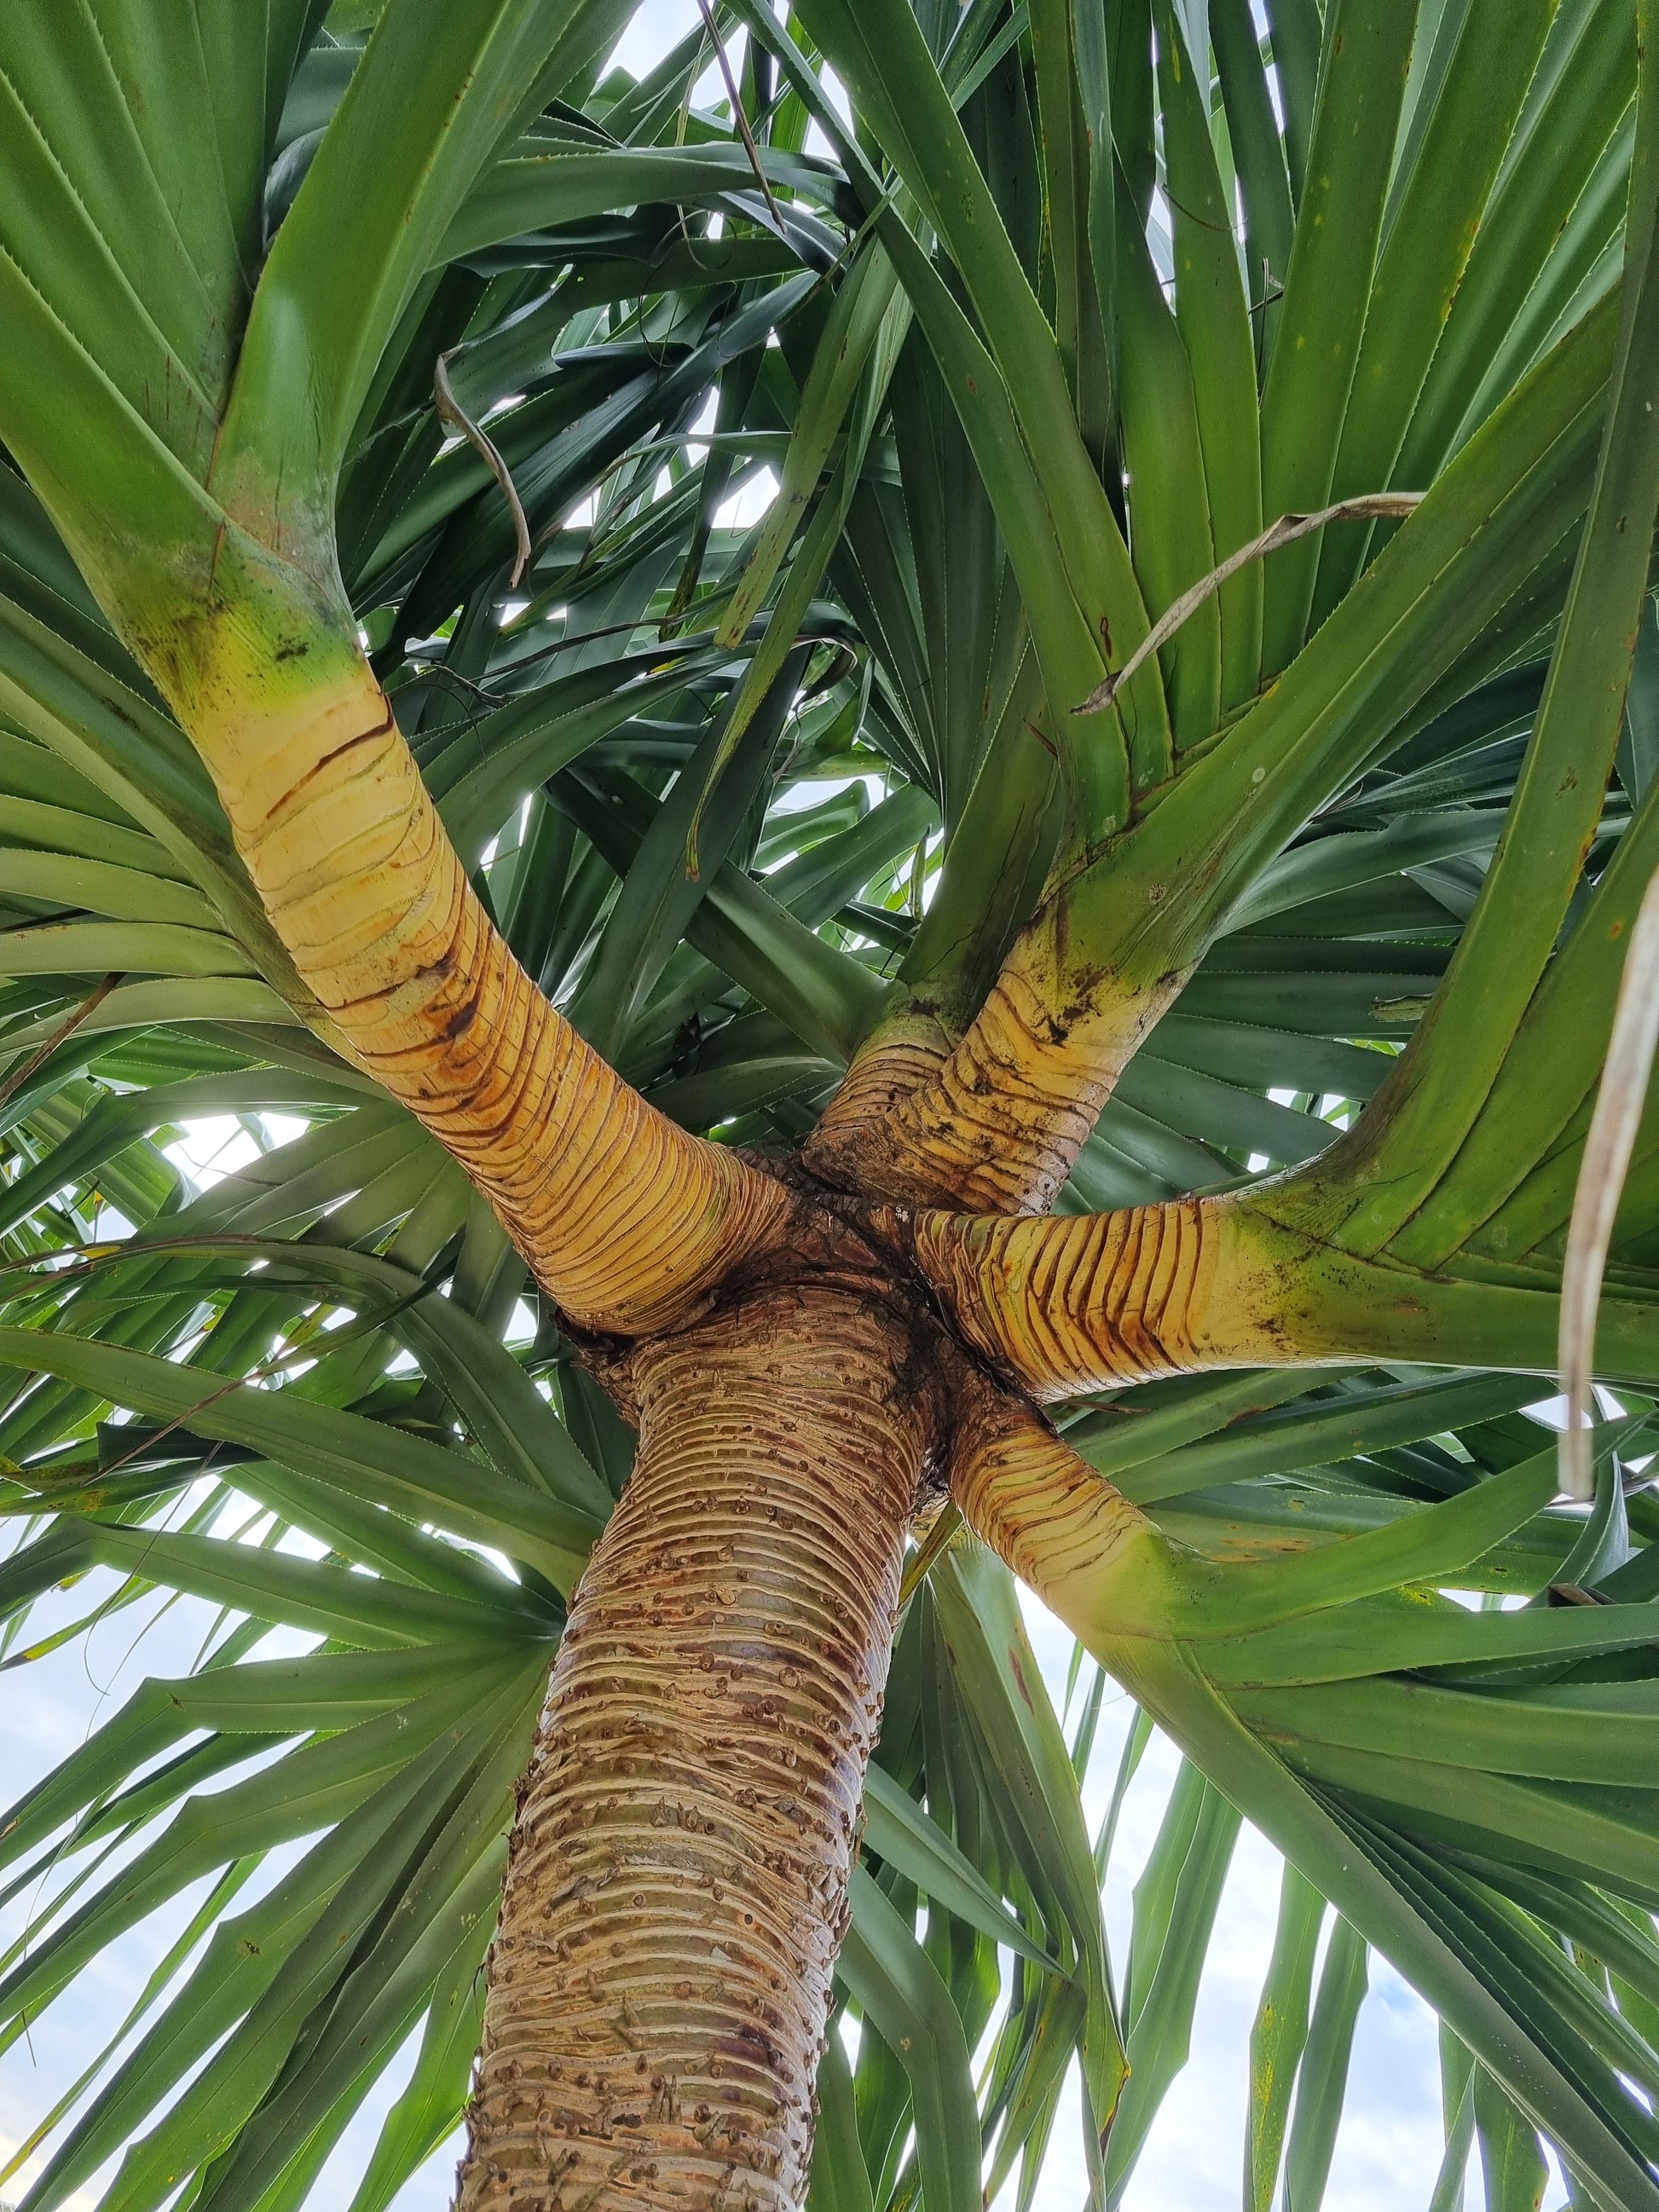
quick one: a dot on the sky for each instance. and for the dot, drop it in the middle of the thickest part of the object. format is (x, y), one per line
(1389, 2148)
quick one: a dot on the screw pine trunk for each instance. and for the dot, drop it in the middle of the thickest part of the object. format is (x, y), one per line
(660, 1985)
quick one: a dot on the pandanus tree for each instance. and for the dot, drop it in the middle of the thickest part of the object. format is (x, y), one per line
(998, 1023)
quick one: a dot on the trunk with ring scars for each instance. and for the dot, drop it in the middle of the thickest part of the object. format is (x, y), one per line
(661, 1980)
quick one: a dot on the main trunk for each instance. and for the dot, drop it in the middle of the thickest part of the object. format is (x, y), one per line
(659, 1986)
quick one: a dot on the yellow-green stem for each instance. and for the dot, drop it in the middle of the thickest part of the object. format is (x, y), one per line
(625, 1220)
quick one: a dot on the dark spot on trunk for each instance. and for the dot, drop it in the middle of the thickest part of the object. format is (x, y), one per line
(749, 2044)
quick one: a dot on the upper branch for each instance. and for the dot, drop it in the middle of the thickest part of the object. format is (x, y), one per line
(995, 1122)
(624, 1219)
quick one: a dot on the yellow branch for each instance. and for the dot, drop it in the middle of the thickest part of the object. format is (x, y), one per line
(1077, 1303)
(1092, 1301)
(1048, 1515)
(899, 1057)
(1081, 1302)
(624, 1219)
(993, 1124)
(1109, 1572)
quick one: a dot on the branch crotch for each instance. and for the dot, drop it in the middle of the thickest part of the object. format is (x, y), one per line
(660, 1988)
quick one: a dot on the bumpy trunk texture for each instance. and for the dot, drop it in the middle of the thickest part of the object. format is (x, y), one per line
(660, 1987)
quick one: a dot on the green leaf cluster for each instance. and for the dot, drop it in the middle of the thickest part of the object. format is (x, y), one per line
(1060, 321)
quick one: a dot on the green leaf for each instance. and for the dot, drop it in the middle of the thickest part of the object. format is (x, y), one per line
(1458, 2098)
(897, 1830)
(1253, 1441)
(536, 187)
(311, 1788)
(1324, 2079)
(95, 948)
(990, 1652)
(841, 2179)
(1395, 1635)
(1511, 2159)
(1297, 34)
(663, 890)
(420, 116)
(1168, 506)
(331, 1691)
(1280, 2034)
(479, 777)
(1432, 1545)
(368, 1459)
(1213, 317)
(850, 331)
(450, 1900)
(240, 1961)
(900, 1994)
(910, 111)
(1582, 88)
(1362, 78)
(1437, 1096)
(1176, 1900)
(1065, 646)
(1259, 159)
(427, 1868)
(330, 1601)
(1365, 1889)
(1330, 715)
(1443, 199)
(115, 1122)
